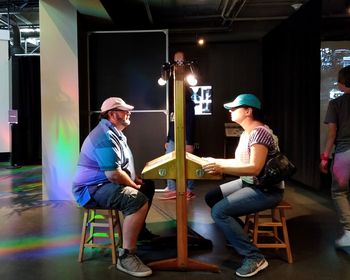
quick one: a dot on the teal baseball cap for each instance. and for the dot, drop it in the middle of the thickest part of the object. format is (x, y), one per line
(245, 99)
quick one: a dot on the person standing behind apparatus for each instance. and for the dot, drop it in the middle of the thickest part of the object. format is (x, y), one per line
(105, 178)
(245, 195)
(338, 121)
(170, 144)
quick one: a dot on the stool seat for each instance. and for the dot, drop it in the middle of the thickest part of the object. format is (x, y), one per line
(262, 224)
(98, 226)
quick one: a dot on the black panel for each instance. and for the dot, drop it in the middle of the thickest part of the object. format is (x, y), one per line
(146, 137)
(127, 65)
(291, 60)
(26, 98)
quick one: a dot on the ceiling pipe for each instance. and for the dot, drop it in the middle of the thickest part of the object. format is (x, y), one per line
(23, 19)
(235, 14)
(3, 21)
(259, 18)
(26, 10)
(240, 8)
(233, 4)
(16, 40)
(8, 16)
(224, 8)
(240, 18)
(227, 10)
(148, 11)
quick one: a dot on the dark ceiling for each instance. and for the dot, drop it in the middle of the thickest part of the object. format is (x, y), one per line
(22, 13)
(237, 19)
(185, 19)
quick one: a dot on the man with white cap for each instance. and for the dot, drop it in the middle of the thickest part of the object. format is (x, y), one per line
(105, 178)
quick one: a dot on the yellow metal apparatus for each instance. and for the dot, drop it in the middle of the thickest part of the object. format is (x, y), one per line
(164, 167)
(180, 166)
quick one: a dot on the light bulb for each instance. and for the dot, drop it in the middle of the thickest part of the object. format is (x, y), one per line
(191, 79)
(201, 41)
(161, 81)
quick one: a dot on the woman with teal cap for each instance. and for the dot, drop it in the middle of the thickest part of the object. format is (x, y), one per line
(245, 195)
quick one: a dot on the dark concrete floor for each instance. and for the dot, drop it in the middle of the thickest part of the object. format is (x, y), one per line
(40, 239)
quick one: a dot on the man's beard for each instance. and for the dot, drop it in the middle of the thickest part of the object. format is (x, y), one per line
(125, 122)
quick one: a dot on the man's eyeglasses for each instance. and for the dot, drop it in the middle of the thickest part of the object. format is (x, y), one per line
(124, 111)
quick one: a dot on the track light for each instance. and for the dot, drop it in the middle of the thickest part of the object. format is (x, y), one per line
(296, 6)
(167, 69)
(191, 78)
(200, 41)
(164, 74)
(161, 81)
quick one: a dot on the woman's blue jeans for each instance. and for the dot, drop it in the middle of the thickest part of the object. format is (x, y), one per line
(240, 199)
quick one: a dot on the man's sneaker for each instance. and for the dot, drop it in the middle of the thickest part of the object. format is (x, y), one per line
(343, 241)
(130, 263)
(251, 267)
(190, 195)
(168, 195)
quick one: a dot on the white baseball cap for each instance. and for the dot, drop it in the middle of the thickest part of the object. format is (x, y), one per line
(115, 103)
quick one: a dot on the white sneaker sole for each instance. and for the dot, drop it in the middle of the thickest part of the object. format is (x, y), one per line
(340, 245)
(261, 267)
(344, 241)
(134, 273)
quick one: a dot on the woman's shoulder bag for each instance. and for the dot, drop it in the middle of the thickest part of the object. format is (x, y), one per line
(277, 168)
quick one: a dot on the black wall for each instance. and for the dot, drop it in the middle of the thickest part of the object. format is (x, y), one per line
(127, 64)
(291, 89)
(230, 68)
(26, 98)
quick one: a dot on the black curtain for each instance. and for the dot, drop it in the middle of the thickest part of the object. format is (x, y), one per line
(291, 89)
(26, 135)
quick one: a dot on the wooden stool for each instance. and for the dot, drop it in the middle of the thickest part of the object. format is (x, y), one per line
(94, 219)
(261, 224)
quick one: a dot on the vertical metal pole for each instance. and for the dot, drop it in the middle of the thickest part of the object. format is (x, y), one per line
(8, 28)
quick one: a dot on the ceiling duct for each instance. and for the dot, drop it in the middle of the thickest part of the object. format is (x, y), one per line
(229, 13)
(16, 41)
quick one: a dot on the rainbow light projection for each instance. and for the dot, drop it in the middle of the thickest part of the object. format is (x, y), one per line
(34, 246)
(4, 96)
(60, 98)
(25, 237)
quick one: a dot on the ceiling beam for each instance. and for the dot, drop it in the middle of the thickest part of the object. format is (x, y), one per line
(91, 8)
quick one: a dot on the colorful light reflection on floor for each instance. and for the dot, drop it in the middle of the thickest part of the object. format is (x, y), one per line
(39, 247)
(21, 191)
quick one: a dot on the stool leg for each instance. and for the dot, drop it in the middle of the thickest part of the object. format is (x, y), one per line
(256, 228)
(118, 226)
(285, 236)
(111, 235)
(83, 236)
(275, 228)
(91, 221)
(246, 223)
(274, 219)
